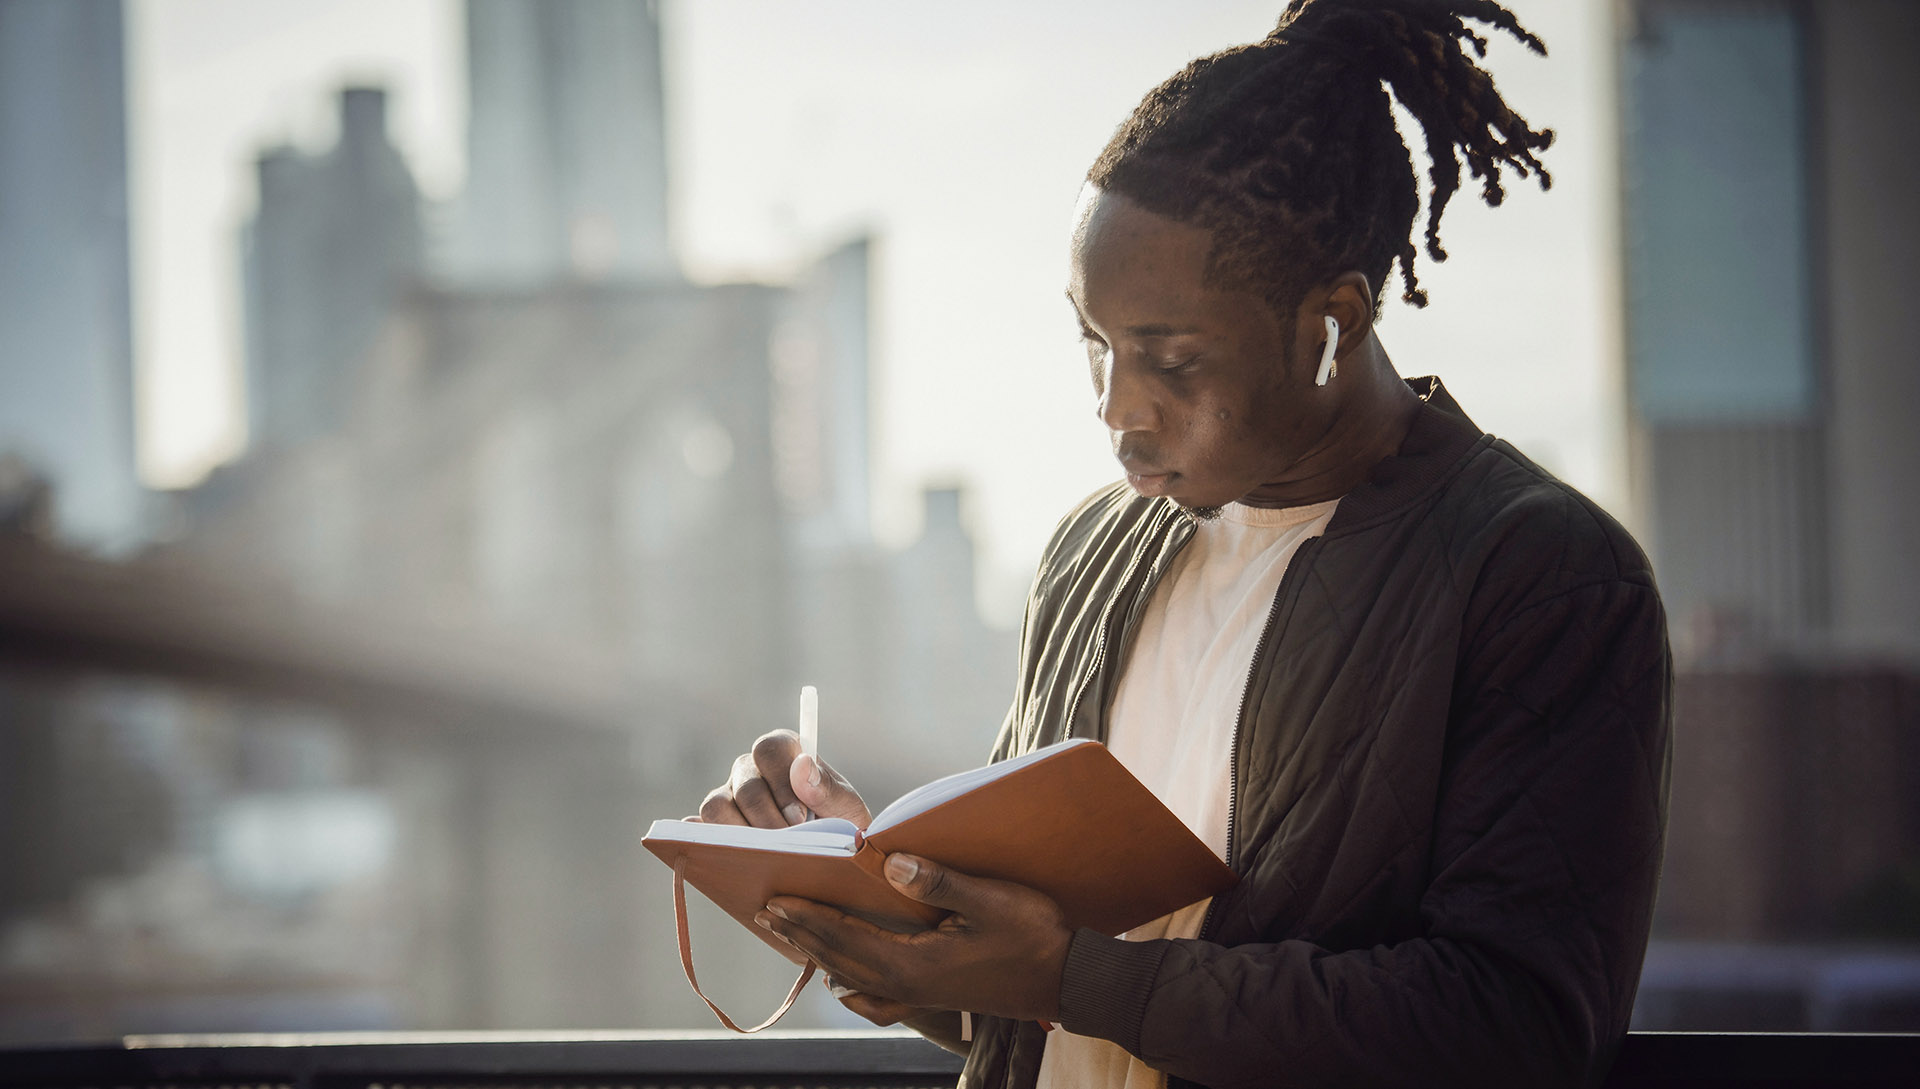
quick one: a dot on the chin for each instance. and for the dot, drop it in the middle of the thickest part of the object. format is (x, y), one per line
(1191, 498)
(1177, 488)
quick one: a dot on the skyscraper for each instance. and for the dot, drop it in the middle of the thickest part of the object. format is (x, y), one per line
(66, 356)
(566, 151)
(336, 238)
(1770, 161)
(1771, 246)
(821, 368)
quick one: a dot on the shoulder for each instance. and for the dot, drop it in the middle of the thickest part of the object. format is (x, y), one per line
(1457, 497)
(1522, 539)
(1091, 556)
(1555, 616)
(1519, 512)
(1097, 526)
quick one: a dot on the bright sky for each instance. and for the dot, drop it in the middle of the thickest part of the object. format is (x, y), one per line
(958, 133)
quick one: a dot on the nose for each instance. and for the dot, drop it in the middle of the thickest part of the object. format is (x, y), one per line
(1127, 401)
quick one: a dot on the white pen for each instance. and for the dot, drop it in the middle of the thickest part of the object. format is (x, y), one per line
(810, 721)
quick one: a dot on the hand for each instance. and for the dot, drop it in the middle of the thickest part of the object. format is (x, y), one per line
(776, 785)
(1001, 951)
(943, 1027)
(880, 1011)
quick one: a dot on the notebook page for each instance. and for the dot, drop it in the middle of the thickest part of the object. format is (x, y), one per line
(921, 799)
(828, 836)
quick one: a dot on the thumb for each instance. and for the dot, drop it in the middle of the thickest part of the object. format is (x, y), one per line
(932, 883)
(826, 791)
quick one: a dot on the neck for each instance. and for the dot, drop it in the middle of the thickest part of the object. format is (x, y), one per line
(1374, 412)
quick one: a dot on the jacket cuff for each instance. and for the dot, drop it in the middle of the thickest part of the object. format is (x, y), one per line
(1104, 988)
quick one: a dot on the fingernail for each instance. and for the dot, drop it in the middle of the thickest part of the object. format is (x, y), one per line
(796, 813)
(813, 771)
(902, 868)
(765, 920)
(776, 909)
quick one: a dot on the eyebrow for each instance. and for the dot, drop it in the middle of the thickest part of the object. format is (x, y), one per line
(1155, 329)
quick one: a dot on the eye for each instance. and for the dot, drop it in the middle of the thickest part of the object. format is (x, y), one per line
(1176, 366)
(1096, 348)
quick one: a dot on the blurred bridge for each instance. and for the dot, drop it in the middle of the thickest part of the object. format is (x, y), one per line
(63, 612)
(153, 713)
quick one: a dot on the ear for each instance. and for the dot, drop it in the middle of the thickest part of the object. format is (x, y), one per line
(1347, 299)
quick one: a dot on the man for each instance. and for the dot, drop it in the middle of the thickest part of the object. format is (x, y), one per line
(1413, 689)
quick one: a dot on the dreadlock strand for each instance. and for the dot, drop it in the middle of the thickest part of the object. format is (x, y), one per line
(1287, 149)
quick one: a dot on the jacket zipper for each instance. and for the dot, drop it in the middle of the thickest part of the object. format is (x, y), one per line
(1306, 553)
(1153, 543)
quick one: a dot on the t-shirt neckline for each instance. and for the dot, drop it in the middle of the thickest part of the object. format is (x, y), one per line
(1275, 517)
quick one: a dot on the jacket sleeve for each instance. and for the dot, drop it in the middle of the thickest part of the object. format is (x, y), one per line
(1545, 853)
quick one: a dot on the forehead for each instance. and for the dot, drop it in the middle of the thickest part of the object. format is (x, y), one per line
(1126, 258)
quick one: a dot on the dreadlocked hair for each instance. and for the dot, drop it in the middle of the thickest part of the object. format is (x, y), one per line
(1286, 149)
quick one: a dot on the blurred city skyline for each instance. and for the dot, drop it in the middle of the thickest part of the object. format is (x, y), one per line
(503, 419)
(946, 134)
(541, 521)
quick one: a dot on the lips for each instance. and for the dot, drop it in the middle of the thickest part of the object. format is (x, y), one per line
(1146, 479)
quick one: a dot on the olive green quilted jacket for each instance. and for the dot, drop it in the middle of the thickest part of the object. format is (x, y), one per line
(1449, 777)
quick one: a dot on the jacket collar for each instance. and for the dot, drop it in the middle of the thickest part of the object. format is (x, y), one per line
(1437, 444)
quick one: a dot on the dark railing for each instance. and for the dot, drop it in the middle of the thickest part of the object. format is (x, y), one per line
(856, 1059)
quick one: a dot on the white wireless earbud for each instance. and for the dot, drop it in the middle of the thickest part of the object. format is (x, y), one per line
(1326, 355)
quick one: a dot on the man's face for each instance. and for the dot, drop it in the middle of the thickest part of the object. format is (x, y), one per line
(1199, 387)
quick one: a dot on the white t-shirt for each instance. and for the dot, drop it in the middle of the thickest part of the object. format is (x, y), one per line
(1174, 713)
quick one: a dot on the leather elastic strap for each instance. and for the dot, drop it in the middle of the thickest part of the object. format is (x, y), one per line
(686, 959)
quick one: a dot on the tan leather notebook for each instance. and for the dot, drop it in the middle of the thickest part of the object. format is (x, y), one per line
(1068, 820)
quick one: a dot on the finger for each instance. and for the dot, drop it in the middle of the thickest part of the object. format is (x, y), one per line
(810, 946)
(773, 756)
(844, 945)
(752, 795)
(826, 791)
(718, 808)
(932, 883)
(880, 1011)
